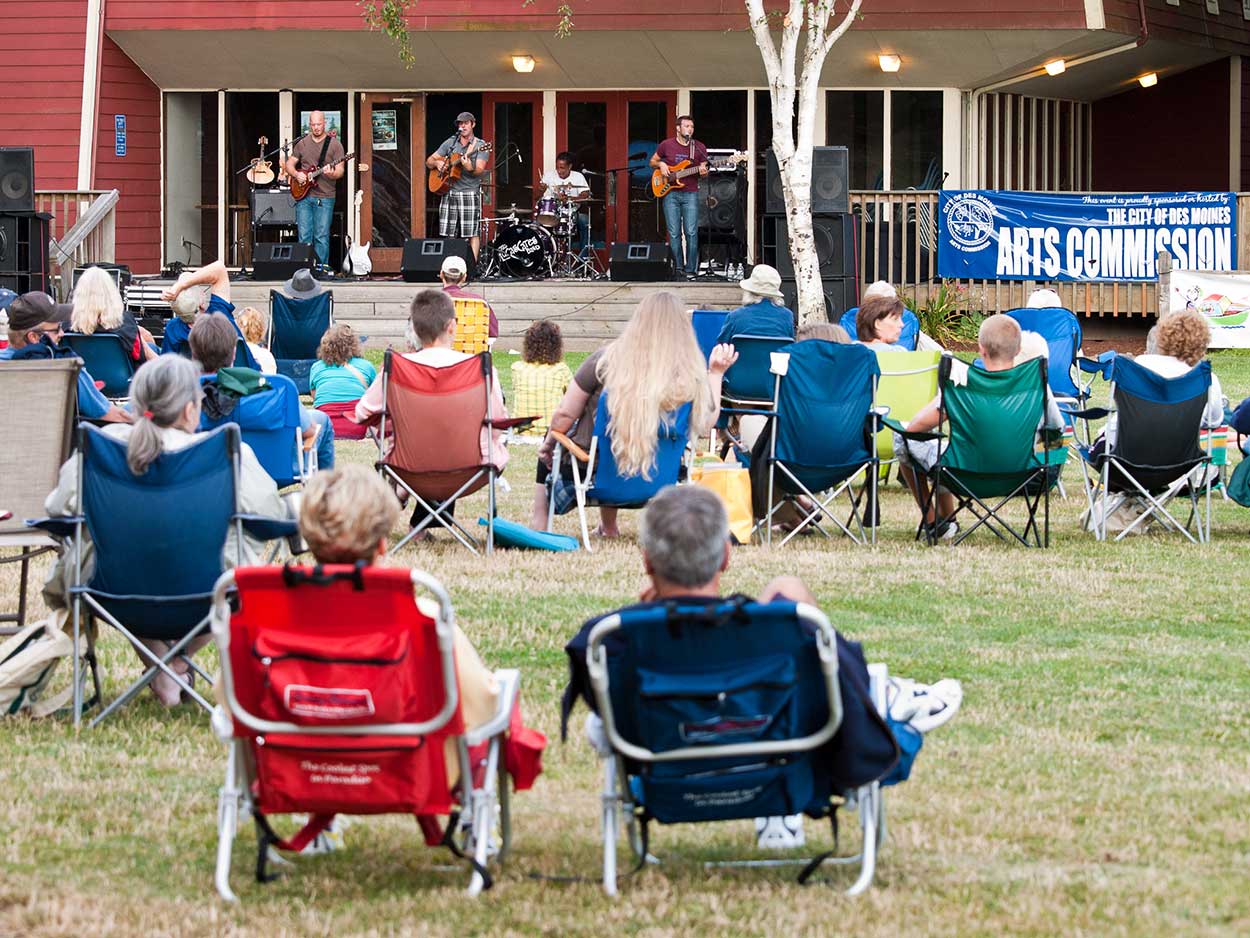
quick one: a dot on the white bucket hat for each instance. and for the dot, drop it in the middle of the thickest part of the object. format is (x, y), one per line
(764, 281)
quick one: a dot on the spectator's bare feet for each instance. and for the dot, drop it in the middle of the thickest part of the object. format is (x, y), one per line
(607, 533)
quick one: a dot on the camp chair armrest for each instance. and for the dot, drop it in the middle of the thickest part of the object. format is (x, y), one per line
(909, 434)
(62, 527)
(1089, 413)
(267, 528)
(510, 423)
(509, 680)
(570, 446)
(1096, 366)
(747, 412)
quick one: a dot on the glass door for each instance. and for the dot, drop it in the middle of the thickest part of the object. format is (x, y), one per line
(392, 145)
(513, 124)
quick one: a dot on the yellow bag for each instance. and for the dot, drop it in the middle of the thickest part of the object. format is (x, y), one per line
(733, 484)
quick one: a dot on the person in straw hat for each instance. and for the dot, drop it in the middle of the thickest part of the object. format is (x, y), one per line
(763, 310)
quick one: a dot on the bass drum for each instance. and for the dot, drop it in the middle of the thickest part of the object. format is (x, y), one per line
(524, 250)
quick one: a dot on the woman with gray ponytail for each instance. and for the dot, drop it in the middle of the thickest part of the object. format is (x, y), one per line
(165, 404)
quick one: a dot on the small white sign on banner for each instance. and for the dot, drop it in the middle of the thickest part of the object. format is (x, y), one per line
(1224, 298)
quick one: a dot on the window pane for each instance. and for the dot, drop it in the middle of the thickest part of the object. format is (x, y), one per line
(391, 177)
(587, 141)
(856, 120)
(191, 177)
(648, 125)
(915, 139)
(514, 131)
(720, 118)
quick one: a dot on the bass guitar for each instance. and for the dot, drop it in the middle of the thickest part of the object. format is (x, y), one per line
(662, 185)
(301, 189)
(441, 180)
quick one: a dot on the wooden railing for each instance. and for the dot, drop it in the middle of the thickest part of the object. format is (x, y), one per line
(97, 245)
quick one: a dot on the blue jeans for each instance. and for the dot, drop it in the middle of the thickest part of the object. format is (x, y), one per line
(313, 215)
(325, 437)
(681, 213)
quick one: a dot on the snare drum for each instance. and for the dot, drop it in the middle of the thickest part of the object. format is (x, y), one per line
(566, 220)
(524, 250)
(547, 213)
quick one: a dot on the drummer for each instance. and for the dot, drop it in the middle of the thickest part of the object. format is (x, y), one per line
(568, 185)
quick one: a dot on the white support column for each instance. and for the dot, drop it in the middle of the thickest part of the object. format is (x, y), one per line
(223, 171)
(549, 133)
(818, 125)
(1234, 123)
(349, 210)
(952, 138)
(286, 118)
(90, 94)
(887, 147)
(751, 255)
(683, 106)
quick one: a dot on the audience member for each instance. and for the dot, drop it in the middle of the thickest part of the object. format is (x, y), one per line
(98, 308)
(878, 288)
(339, 378)
(1032, 345)
(206, 290)
(1044, 299)
(454, 274)
(165, 395)
(302, 286)
(653, 367)
(253, 324)
(541, 377)
(879, 323)
(763, 310)
(829, 331)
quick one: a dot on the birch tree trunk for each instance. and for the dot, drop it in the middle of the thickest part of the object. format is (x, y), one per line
(794, 77)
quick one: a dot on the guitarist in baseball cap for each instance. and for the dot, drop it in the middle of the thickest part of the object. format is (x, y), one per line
(460, 209)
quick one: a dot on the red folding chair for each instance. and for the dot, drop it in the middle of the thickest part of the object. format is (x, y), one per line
(340, 695)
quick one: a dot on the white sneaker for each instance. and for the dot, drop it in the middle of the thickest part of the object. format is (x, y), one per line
(596, 736)
(924, 706)
(783, 832)
(327, 841)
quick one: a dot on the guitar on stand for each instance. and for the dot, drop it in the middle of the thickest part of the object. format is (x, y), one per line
(356, 260)
(441, 180)
(300, 189)
(260, 172)
(662, 185)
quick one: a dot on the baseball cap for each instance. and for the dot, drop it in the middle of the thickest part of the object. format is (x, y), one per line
(31, 309)
(465, 116)
(454, 264)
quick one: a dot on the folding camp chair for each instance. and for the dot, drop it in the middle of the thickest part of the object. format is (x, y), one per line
(747, 387)
(597, 482)
(433, 420)
(729, 711)
(908, 338)
(37, 425)
(157, 541)
(908, 382)
(295, 331)
(1062, 332)
(242, 355)
(107, 359)
(991, 427)
(340, 696)
(1157, 454)
(270, 423)
(707, 324)
(472, 325)
(823, 435)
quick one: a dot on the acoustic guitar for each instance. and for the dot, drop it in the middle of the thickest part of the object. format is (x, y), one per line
(260, 173)
(662, 185)
(440, 181)
(301, 189)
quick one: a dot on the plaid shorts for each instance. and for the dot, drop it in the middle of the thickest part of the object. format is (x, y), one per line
(460, 213)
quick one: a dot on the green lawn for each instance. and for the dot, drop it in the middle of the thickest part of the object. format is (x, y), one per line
(1096, 782)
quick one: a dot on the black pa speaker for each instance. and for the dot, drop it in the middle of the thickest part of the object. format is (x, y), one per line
(24, 251)
(840, 295)
(830, 178)
(640, 260)
(835, 245)
(273, 208)
(423, 257)
(17, 179)
(271, 261)
(722, 203)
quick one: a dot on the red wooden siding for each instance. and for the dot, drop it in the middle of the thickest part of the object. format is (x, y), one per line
(41, 61)
(1189, 23)
(124, 89)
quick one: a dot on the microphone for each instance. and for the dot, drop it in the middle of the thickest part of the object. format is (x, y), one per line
(640, 155)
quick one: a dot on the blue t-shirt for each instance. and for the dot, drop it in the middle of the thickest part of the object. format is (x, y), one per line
(762, 318)
(335, 384)
(92, 404)
(177, 331)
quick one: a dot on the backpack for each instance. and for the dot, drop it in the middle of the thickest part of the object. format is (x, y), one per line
(27, 661)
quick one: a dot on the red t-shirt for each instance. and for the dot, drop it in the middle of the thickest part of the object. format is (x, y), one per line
(672, 153)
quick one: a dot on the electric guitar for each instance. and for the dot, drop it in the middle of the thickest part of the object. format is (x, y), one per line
(301, 189)
(662, 185)
(356, 260)
(440, 181)
(261, 171)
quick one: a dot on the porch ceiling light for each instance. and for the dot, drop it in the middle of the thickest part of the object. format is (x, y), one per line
(523, 63)
(1055, 67)
(889, 62)
(1149, 80)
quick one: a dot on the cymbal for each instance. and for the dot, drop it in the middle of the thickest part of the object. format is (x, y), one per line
(514, 210)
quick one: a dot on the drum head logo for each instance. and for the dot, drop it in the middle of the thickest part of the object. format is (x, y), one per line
(969, 221)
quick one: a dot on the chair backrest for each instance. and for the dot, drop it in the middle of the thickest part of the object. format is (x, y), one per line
(1158, 419)
(750, 378)
(909, 381)
(992, 423)
(707, 325)
(270, 424)
(1062, 332)
(36, 424)
(823, 402)
(472, 325)
(306, 648)
(908, 338)
(436, 416)
(161, 534)
(106, 358)
(296, 326)
(241, 353)
(610, 487)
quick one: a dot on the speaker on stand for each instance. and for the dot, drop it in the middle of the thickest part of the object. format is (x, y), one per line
(722, 217)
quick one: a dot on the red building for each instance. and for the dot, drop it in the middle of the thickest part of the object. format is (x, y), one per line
(198, 82)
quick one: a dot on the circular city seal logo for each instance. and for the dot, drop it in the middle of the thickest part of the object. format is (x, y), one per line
(969, 220)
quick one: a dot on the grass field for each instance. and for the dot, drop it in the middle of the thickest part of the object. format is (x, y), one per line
(1096, 782)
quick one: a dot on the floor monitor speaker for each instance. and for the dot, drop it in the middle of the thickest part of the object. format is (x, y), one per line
(271, 261)
(423, 257)
(640, 261)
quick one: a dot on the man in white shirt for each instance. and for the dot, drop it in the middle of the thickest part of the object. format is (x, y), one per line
(568, 185)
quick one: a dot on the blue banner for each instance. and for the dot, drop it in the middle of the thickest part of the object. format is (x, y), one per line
(990, 235)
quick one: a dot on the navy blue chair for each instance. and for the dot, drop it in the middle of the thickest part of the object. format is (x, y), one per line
(270, 423)
(598, 482)
(823, 435)
(908, 338)
(728, 711)
(242, 355)
(707, 325)
(107, 359)
(158, 540)
(295, 331)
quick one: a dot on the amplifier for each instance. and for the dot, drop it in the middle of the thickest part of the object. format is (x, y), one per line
(273, 208)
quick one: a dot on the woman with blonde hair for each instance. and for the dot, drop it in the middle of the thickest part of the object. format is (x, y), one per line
(651, 369)
(98, 308)
(251, 323)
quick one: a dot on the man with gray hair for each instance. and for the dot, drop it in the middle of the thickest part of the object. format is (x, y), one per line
(206, 290)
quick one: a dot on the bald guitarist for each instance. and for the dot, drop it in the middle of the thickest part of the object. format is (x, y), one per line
(460, 209)
(315, 211)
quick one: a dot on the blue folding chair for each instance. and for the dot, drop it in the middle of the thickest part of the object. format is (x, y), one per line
(295, 331)
(823, 434)
(749, 381)
(270, 423)
(242, 355)
(908, 338)
(1062, 332)
(734, 710)
(107, 359)
(707, 325)
(158, 542)
(596, 479)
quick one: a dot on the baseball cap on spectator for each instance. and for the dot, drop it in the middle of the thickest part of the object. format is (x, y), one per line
(455, 265)
(31, 309)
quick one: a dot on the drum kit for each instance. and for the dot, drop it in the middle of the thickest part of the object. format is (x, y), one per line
(514, 246)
